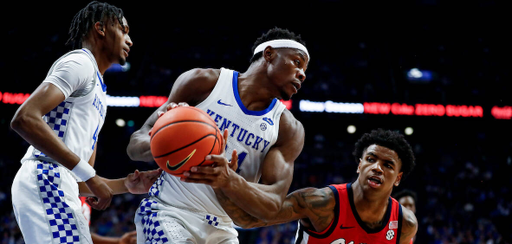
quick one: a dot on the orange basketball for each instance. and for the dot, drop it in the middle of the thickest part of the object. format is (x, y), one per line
(182, 137)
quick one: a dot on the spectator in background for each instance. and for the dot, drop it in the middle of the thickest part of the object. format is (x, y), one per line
(408, 200)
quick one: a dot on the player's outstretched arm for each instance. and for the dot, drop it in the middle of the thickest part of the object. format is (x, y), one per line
(138, 182)
(314, 204)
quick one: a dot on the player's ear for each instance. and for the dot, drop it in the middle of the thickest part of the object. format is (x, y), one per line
(99, 28)
(398, 179)
(359, 166)
(269, 54)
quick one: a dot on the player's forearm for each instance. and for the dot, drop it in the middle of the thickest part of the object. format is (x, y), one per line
(257, 200)
(243, 219)
(139, 147)
(117, 186)
(238, 215)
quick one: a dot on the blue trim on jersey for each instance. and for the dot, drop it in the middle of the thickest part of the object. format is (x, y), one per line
(241, 105)
(103, 86)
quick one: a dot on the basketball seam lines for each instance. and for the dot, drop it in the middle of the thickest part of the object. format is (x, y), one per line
(198, 121)
(163, 155)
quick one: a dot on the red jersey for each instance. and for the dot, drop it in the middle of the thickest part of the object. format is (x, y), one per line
(348, 228)
(86, 209)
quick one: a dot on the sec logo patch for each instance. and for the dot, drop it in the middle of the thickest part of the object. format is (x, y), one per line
(390, 234)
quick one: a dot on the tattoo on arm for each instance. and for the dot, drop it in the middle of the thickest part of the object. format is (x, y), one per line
(312, 203)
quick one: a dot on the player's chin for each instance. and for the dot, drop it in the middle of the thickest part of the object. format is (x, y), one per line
(286, 96)
(122, 60)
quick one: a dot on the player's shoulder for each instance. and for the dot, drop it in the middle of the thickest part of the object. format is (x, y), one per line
(76, 59)
(316, 203)
(193, 86)
(199, 79)
(202, 74)
(289, 125)
(409, 223)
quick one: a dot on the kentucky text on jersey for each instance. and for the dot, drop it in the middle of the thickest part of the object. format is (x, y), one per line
(241, 134)
(100, 107)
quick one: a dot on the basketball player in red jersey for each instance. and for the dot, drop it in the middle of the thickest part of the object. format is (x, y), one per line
(353, 213)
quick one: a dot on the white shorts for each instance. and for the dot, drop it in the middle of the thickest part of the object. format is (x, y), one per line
(46, 204)
(157, 223)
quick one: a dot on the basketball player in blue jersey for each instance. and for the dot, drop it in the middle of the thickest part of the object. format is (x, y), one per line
(264, 134)
(61, 120)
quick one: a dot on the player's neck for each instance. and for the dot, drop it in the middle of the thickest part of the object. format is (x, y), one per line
(254, 90)
(101, 59)
(367, 201)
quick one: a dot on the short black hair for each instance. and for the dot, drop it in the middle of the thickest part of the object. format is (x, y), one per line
(392, 140)
(85, 19)
(274, 34)
(405, 193)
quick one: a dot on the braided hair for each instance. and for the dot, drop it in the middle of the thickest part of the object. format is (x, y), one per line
(85, 19)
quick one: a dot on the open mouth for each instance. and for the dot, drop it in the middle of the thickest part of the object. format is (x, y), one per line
(374, 181)
(126, 51)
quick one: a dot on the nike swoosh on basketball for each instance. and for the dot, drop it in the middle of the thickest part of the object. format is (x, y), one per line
(185, 160)
(224, 104)
(343, 228)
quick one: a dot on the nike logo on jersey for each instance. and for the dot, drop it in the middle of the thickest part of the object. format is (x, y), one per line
(224, 104)
(268, 120)
(344, 228)
(184, 161)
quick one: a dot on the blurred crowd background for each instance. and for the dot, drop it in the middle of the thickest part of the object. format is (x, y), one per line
(360, 53)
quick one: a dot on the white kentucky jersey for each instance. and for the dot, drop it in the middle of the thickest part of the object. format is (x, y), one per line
(251, 133)
(78, 119)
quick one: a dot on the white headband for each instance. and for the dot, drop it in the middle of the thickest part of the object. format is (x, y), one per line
(280, 43)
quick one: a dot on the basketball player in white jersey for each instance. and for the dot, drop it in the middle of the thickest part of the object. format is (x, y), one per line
(61, 120)
(265, 135)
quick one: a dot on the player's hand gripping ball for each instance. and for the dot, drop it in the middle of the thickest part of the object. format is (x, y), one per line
(182, 137)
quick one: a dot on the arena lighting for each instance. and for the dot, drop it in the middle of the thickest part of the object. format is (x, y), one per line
(418, 109)
(419, 76)
(152, 101)
(334, 107)
(122, 101)
(120, 122)
(330, 107)
(309, 106)
(13, 98)
(351, 129)
(408, 131)
(502, 112)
